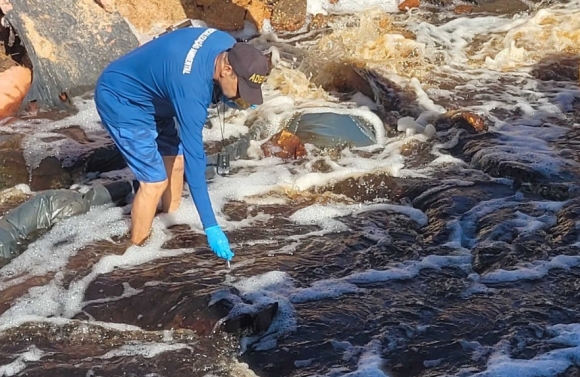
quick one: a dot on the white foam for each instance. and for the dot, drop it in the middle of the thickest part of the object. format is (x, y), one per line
(410, 269)
(546, 364)
(12, 322)
(247, 32)
(532, 271)
(349, 6)
(277, 287)
(146, 350)
(18, 365)
(323, 290)
(370, 362)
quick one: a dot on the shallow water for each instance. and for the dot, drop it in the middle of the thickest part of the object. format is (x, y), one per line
(450, 248)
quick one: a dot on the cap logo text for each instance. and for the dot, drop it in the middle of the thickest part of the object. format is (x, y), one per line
(257, 79)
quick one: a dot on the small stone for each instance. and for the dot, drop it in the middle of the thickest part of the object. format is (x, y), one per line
(284, 145)
(408, 4)
(475, 121)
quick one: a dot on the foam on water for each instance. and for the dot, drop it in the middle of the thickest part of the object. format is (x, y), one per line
(349, 6)
(18, 365)
(545, 365)
(531, 271)
(146, 350)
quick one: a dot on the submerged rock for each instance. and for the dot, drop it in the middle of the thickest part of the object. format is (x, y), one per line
(284, 145)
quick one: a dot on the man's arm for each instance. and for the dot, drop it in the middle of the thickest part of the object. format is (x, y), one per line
(191, 115)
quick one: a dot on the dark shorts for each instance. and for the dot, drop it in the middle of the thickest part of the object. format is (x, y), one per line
(141, 138)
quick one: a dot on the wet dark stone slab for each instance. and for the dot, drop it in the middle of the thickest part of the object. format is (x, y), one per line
(79, 348)
(51, 173)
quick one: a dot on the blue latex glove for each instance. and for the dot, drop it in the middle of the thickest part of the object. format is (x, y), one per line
(218, 242)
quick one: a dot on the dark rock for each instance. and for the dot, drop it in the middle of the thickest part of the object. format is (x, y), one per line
(488, 254)
(13, 169)
(50, 175)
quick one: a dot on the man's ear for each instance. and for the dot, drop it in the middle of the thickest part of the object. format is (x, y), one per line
(227, 70)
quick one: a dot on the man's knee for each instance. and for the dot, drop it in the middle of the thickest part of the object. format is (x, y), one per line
(153, 188)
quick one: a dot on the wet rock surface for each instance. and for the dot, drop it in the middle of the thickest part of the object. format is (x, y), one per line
(52, 172)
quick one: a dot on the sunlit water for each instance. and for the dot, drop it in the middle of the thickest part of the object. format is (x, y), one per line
(440, 251)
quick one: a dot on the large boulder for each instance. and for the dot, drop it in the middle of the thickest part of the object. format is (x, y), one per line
(69, 43)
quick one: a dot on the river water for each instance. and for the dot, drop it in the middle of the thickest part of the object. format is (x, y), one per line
(444, 250)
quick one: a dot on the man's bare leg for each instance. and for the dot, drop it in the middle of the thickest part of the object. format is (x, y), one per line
(174, 165)
(144, 208)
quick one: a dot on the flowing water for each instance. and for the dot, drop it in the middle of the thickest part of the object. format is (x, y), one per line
(450, 248)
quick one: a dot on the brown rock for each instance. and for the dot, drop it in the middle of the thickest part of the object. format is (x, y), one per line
(461, 119)
(14, 85)
(284, 145)
(224, 15)
(289, 15)
(256, 11)
(408, 4)
(152, 15)
(463, 9)
(475, 121)
(145, 15)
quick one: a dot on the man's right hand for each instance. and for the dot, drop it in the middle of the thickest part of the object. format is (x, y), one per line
(218, 242)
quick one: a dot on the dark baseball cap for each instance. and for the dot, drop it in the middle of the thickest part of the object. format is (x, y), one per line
(252, 68)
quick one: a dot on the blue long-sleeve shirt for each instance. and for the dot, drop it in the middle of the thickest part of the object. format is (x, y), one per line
(172, 76)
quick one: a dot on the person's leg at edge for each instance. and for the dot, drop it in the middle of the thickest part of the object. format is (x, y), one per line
(175, 168)
(171, 149)
(134, 134)
(144, 209)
